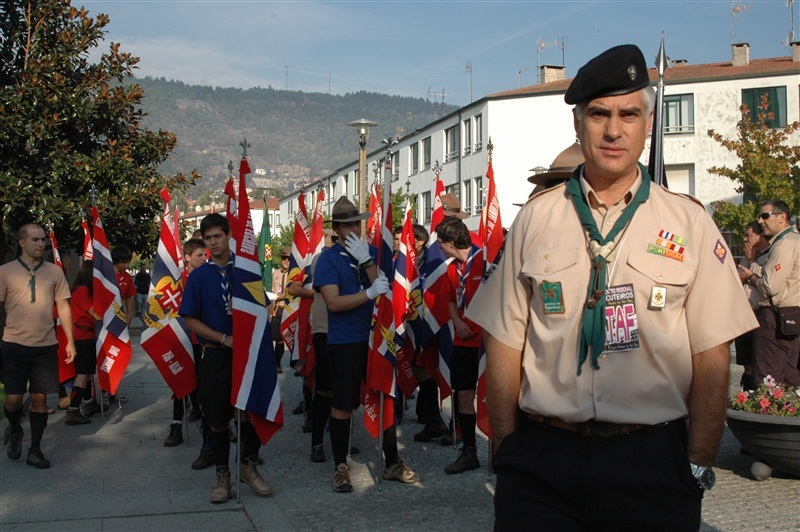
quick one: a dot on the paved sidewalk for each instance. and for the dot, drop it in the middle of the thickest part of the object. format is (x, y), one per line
(116, 474)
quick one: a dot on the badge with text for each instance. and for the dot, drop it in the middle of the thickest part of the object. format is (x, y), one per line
(552, 297)
(658, 298)
(622, 324)
(669, 245)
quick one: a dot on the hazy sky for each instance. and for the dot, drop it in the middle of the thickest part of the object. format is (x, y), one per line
(410, 47)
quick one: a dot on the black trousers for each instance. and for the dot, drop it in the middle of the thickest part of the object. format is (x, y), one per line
(552, 479)
(774, 354)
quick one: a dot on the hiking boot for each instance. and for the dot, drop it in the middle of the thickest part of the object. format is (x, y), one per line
(318, 454)
(63, 403)
(399, 471)
(37, 459)
(74, 417)
(467, 460)
(91, 408)
(14, 450)
(341, 479)
(205, 459)
(222, 492)
(194, 415)
(448, 439)
(250, 476)
(431, 432)
(175, 436)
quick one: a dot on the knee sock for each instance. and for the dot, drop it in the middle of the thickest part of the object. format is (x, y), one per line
(87, 394)
(193, 399)
(307, 397)
(76, 396)
(429, 400)
(13, 419)
(221, 447)
(320, 411)
(177, 410)
(205, 431)
(390, 445)
(279, 348)
(467, 423)
(38, 422)
(251, 443)
(340, 439)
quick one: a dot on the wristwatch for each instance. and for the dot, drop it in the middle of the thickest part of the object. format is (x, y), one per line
(704, 475)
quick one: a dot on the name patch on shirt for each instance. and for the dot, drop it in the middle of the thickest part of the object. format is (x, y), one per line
(720, 251)
(668, 245)
(552, 297)
(622, 324)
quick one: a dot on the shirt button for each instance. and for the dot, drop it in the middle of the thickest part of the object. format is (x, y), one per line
(608, 223)
(547, 270)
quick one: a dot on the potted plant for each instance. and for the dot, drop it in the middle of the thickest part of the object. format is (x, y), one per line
(766, 421)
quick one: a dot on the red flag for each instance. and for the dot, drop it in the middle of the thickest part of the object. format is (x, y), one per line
(438, 210)
(490, 230)
(88, 251)
(406, 298)
(114, 342)
(165, 338)
(255, 378)
(231, 212)
(376, 216)
(315, 244)
(294, 319)
(65, 371)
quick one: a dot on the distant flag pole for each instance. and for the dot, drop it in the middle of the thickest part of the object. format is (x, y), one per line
(265, 247)
(655, 165)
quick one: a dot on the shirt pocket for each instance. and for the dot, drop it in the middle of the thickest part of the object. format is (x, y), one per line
(659, 271)
(568, 278)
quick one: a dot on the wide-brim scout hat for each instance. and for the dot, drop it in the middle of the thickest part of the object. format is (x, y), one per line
(287, 252)
(452, 207)
(345, 211)
(618, 70)
(561, 169)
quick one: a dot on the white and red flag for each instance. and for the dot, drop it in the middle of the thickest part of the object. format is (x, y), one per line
(296, 311)
(406, 298)
(255, 378)
(88, 251)
(113, 339)
(232, 211)
(375, 216)
(65, 371)
(165, 337)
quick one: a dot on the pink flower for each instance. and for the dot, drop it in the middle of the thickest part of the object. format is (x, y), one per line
(769, 382)
(764, 403)
(777, 393)
(741, 397)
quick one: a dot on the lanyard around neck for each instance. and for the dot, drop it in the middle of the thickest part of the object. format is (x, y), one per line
(32, 281)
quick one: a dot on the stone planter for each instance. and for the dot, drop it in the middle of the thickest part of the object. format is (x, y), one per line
(775, 440)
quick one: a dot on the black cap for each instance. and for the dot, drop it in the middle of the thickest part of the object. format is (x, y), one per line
(618, 70)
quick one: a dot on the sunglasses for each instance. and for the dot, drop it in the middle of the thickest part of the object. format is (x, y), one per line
(765, 215)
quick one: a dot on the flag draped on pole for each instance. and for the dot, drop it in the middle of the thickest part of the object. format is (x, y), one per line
(255, 378)
(165, 338)
(65, 371)
(113, 339)
(303, 336)
(88, 251)
(231, 211)
(299, 262)
(375, 219)
(265, 250)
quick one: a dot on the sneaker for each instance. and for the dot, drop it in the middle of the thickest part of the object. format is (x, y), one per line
(14, 450)
(399, 471)
(341, 479)
(222, 492)
(431, 432)
(318, 454)
(205, 459)
(467, 460)
(74, 417)
(448, 439)
(250, 476)
(194, 415)
(307, 425)
(63, 403)
(175, 436)
(91, 408)
(51, 411)
(37, 459)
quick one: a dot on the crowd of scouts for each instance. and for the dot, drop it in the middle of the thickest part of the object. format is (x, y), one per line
(607, 357)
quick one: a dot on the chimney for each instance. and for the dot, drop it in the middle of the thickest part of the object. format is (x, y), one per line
(553, 73)
(795, 51)
(741, 54)
(680, 62)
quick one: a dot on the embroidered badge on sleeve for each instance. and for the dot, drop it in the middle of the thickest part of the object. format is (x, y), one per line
(720, 251)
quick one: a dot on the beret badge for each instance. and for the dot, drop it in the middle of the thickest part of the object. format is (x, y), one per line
(632, 72)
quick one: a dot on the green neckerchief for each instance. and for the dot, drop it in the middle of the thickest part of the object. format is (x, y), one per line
(593, 330)
(32, 282)
(782, 234)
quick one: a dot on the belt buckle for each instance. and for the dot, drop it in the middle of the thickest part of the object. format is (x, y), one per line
(603, 429)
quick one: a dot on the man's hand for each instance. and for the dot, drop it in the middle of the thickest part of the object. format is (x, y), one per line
(71, 352)
(749, 252)
(462, 329)
(358, 249)
(379, 286)
(744, 274)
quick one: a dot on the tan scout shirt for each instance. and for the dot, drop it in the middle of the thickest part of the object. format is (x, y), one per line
(780, 276)
(547, 257)
(31, 324)
(752, 294)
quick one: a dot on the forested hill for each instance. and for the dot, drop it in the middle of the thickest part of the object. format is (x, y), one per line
(292, 134)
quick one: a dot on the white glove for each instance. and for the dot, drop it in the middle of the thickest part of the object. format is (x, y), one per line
(357, 248)
(379, 286)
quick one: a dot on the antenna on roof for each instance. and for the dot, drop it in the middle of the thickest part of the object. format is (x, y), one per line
(735, 10)
(790, 38)
(541, 45)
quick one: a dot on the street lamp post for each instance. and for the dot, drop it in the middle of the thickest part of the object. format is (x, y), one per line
(362, 126)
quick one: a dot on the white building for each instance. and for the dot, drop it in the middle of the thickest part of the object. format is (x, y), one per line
(530, 126)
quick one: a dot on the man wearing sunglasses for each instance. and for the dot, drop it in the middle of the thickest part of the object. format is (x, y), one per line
(778, 281)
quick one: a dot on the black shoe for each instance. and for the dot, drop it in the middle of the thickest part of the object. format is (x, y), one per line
(194, 415)
(318, 454)
(467, 460)
(90, 409)
(74, 417)
(14, 450)
(37, 459)
(175, 436)
(299, 409)
(206, 458)
(448, 440)
(354, 449)
(431, 432)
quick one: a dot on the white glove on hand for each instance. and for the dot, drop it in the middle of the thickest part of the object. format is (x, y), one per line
(379, 286)
(357, 248)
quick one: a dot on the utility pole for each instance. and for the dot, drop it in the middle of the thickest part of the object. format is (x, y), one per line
(468, 69)
(287, 76)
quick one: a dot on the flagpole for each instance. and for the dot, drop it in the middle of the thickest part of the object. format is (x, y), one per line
(93, 195)
(380, 442)
(661, 65)
(238, 455)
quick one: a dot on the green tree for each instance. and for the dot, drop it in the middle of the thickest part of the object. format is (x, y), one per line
(399, 200)
(768, 168)
(67, 124)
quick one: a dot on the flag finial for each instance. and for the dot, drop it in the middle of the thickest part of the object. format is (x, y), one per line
(244, 144)
(490, 149)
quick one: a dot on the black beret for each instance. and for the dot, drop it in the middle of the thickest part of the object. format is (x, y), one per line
(618, 70)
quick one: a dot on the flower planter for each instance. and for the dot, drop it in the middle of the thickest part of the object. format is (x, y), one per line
(775, 440)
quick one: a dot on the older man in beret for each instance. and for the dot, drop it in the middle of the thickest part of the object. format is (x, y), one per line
(607, 368)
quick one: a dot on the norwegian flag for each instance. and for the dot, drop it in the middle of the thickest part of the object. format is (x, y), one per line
(382, 356)
(113, 339)
(232, 212)
(255, 379)
(165, 338)
(88, 251)
(65, 371)
(297, 310)
(315, 245)
(375, 216)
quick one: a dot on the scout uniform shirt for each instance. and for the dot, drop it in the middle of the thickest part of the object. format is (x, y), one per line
(668, 277)
(780, 276)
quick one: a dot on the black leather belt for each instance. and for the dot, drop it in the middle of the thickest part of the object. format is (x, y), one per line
(599, 429)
